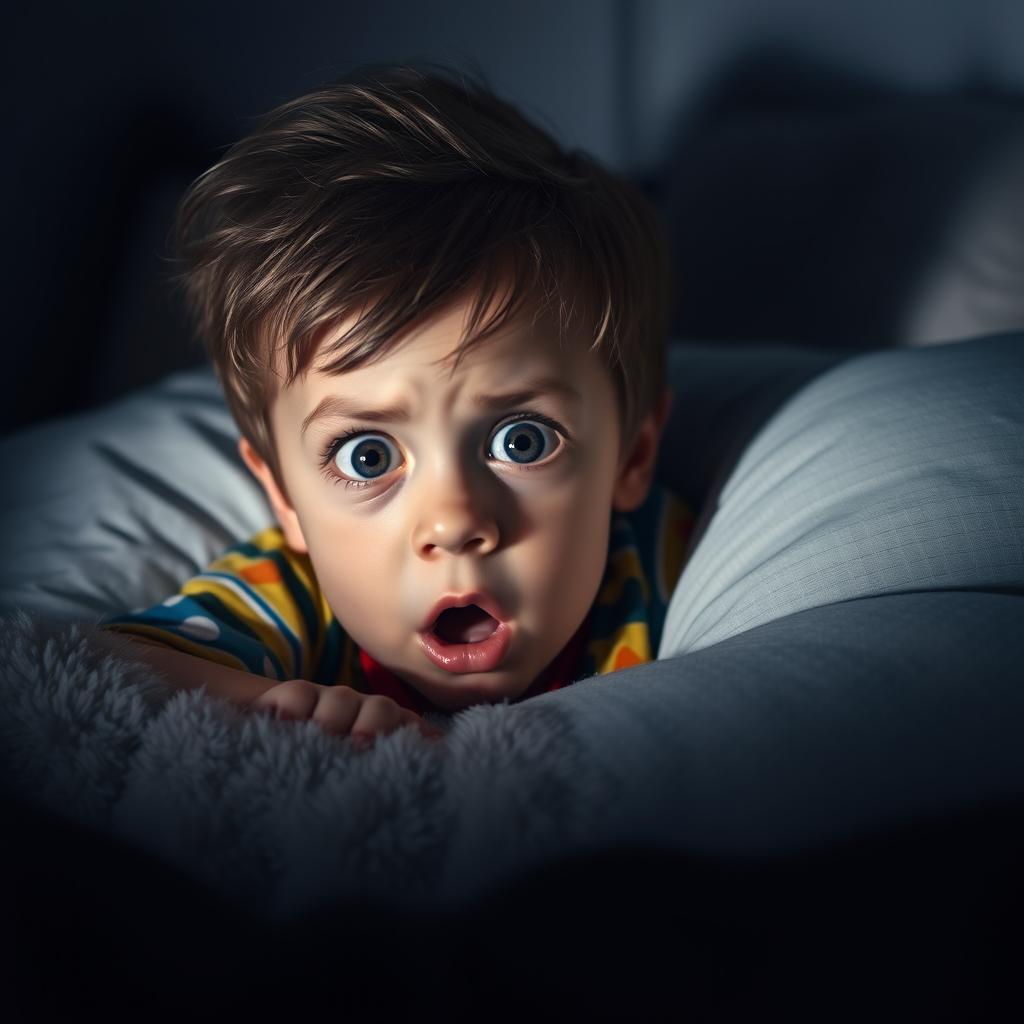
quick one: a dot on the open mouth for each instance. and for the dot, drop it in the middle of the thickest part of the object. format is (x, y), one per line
(466, 625)
(467, 639)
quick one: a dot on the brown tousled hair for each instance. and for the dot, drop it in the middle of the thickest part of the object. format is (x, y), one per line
(385, 196)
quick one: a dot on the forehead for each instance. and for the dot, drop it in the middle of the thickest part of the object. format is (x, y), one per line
(423, 359)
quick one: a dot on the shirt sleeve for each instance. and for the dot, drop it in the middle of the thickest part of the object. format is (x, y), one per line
(257, 608)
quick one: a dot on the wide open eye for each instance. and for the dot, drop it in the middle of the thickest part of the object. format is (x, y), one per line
(523, 441)
(367, 457)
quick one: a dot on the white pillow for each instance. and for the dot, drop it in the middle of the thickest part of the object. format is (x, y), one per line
(115, 507)
(897, 471)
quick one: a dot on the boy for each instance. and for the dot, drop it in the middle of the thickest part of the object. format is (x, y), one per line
(443, 340)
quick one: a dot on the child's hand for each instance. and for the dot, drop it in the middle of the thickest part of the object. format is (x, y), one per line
(339, 710)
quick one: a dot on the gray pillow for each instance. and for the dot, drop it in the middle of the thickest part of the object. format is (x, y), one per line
(894, 472)
(115, 507)
(835, 721)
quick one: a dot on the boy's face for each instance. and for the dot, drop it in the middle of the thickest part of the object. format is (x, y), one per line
(451, 500)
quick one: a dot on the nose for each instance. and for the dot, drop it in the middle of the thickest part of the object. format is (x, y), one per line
(458, 524)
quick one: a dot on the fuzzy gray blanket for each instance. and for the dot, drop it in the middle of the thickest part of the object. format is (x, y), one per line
(276, 815)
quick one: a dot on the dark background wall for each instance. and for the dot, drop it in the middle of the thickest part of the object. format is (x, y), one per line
(833, 174)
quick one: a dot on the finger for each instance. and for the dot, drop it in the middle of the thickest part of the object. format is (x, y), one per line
(377, 714)
(295, 698)
(337, 709)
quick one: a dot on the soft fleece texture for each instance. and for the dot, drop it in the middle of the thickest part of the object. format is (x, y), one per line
(790, 707)
(827, 724)
(276, 814)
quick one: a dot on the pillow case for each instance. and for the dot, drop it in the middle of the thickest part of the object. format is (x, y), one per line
(114, 507)
(897, 471)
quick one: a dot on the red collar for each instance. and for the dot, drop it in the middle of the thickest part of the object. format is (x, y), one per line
(561, 671)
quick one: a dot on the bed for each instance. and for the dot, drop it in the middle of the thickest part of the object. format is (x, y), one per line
(815, 789)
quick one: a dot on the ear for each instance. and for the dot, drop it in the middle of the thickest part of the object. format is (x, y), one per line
(283, 510)
(636, 469)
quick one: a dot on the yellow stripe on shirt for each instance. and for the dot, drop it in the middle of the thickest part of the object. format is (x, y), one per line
(235, 599)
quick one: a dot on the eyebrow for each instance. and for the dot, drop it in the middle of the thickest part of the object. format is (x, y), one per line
(341, 405)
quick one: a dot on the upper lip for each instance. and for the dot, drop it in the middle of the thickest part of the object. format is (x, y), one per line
(477, 597)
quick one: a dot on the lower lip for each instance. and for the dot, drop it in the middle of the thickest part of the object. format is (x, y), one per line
(483, 656)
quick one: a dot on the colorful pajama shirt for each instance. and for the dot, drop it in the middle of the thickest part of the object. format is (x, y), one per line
(258, 608)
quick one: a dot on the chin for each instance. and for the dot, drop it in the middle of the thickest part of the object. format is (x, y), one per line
(456, 693)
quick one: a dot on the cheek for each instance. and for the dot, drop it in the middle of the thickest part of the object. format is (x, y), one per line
(353, 561)
(361, 594)
(571, 554)
(586, 530)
